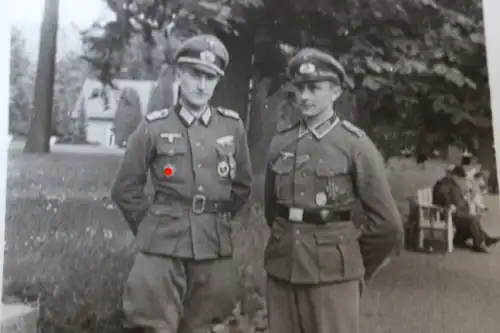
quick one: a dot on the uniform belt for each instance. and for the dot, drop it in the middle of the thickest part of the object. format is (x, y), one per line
(310, 216)
(198, 204)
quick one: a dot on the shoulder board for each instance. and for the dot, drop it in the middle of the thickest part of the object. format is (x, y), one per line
(352, 128)
(285, 125)
(228, 113)
(158, 114)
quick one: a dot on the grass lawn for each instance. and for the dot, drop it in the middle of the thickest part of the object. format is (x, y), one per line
(67, 246)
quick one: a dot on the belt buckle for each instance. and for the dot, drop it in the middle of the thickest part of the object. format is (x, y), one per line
(295, 214)
(198, 198)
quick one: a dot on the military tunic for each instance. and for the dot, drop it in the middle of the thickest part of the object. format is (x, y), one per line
(200, 170)
(328, 169)
(316, 259)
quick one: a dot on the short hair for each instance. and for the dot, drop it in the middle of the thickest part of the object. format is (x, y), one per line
(459, 171)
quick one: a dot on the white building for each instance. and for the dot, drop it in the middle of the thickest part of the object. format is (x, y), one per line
(99, 119)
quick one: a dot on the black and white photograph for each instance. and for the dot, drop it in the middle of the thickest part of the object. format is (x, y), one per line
(245, 166)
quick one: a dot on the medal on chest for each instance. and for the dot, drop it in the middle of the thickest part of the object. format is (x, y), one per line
(333, 189)
(223, 168)
(321, 199)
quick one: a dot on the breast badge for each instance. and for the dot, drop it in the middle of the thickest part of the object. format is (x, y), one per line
(321, 199)
(225, 140)
(171, 137)
(223, 169)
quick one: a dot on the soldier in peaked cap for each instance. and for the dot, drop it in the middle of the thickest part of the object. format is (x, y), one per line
(198, 159)
(318, 167)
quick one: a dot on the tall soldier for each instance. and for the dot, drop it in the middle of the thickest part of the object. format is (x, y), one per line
(199, 162)
(316, 259)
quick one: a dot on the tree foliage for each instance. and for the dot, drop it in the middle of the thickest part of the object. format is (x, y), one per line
(70, 73)
(419, 65)
(21, 84)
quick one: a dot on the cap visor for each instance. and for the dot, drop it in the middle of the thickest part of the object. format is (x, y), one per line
(202, 66)
(304, 78)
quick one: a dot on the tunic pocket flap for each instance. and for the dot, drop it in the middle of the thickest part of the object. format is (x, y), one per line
(163, 210)
(283, 166)
(336, 238)
(171, 149)
(328, 171)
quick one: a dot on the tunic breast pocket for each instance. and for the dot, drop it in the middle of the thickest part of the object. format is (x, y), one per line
(282, 170)
(171, 161)
(336, 184)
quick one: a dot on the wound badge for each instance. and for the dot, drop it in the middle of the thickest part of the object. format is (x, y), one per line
(321, 199)
(207, 56)
(223, 169)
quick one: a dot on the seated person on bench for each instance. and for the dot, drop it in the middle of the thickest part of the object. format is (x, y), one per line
(451, 191)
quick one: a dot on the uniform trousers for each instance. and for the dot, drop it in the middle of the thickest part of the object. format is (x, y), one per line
(468, 226)
(323, 308)
(174, 295)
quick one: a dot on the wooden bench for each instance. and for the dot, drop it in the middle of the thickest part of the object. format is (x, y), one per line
(432, 219)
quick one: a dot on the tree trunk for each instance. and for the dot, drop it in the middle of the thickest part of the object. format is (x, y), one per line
(41, 123)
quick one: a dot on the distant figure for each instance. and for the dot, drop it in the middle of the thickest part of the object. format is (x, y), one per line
(53, 140)
(421, 159)
(478, 190)
(452, 192)
(466, 158)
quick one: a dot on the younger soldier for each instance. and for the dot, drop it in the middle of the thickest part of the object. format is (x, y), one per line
(200, 169)
(318, 167)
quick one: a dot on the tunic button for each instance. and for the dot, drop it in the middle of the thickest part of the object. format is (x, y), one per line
(198, 166)
(302, 194)
(198, 144)
(200, 188)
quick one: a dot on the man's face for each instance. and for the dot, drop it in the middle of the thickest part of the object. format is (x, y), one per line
(314, 97)
(197, 86)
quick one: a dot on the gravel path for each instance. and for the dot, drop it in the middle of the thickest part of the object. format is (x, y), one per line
(433, 293)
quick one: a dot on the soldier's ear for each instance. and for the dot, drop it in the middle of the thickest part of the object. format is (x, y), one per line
(178, 72)
(336, 91)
